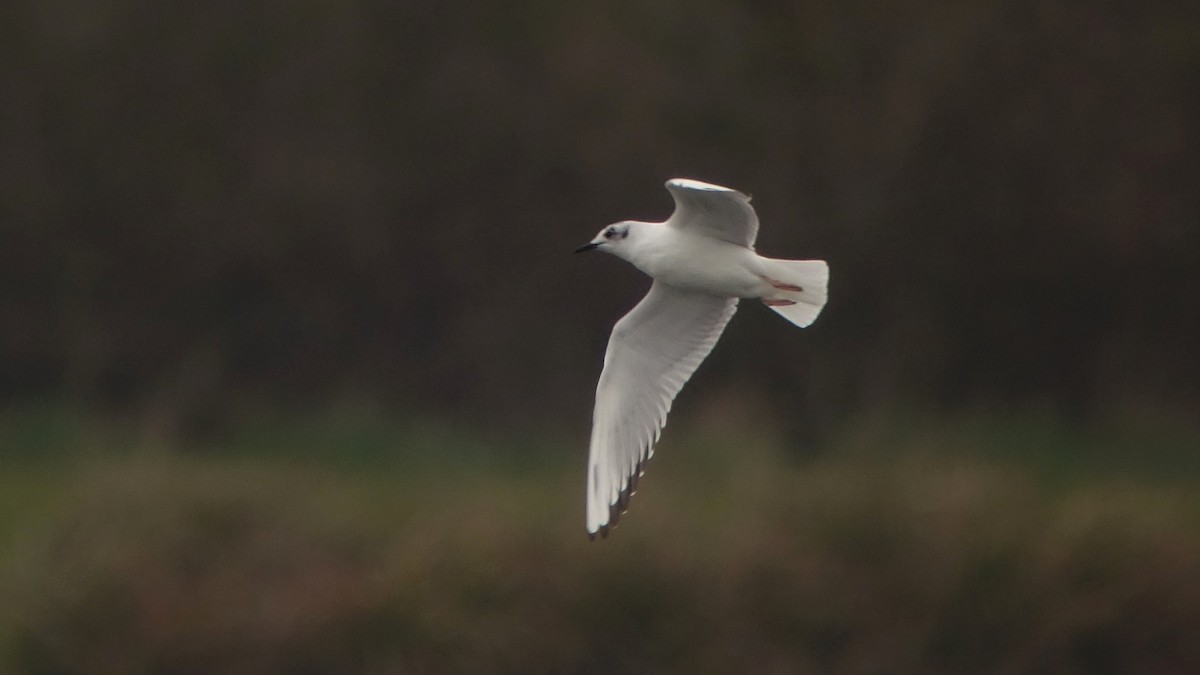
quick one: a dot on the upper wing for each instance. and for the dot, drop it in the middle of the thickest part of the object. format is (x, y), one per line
(652, 352)
(718, 211)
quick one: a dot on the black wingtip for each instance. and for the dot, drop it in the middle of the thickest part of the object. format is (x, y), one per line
(622, 504)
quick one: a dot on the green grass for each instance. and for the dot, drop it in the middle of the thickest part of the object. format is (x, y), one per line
(901, 549)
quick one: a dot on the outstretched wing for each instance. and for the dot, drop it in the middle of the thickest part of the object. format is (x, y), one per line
(652, 352)
(719, 212)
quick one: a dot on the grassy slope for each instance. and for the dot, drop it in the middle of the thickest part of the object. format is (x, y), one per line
(934, 560)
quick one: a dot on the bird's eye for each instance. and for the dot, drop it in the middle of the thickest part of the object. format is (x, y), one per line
(609, 233)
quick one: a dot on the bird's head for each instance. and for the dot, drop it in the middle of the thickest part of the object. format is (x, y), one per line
(613, 239)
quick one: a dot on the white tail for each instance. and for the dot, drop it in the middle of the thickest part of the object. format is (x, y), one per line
(811, 276)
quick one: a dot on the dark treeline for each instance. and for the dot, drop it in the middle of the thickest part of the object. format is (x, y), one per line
(211, 206)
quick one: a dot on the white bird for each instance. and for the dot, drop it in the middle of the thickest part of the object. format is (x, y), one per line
(702, 261)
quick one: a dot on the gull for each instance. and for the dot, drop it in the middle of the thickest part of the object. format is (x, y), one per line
(702, 260)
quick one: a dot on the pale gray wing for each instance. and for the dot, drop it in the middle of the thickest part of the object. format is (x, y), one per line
(652, 352)
(719, 212)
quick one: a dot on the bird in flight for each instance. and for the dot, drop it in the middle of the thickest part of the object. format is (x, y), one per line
(702, 260)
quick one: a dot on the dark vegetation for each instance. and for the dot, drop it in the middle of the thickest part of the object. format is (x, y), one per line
(296, 366)
(212, 206)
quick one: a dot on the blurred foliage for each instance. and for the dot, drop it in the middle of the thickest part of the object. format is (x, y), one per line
(932, 564)
(207, 208)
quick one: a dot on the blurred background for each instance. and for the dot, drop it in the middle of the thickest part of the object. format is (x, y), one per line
(296, 367)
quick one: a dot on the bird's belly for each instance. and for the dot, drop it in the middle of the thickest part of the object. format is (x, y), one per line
(722, 270)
